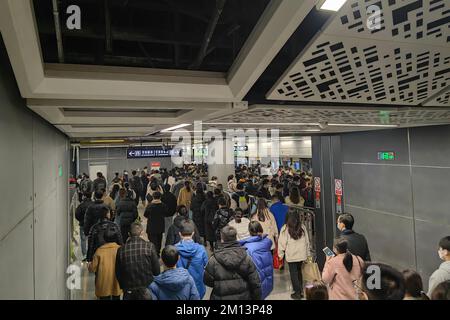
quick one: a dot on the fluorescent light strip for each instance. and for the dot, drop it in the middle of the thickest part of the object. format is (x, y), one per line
(261, 124)
(332, 5)
(362, 125)
(176, 127)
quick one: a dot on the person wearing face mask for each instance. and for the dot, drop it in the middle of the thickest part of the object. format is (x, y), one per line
(443, 273)
(357, 243)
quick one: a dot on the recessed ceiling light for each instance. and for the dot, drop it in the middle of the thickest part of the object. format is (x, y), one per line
(331, 5)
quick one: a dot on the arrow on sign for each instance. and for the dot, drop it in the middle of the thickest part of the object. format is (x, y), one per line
(131, 153)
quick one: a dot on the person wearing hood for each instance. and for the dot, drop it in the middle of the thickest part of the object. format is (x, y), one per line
(174, 283)
(155, 213)
(258, 248)
(173, 234)
(231, 272)
(193, 256)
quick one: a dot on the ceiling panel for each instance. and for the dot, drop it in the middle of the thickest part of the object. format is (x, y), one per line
(403, 62)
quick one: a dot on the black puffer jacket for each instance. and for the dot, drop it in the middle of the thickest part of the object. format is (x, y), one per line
(170, 201)
(173, 235)
(96, 236)
(127, 211)
(232, 274)
(208, 209)
(93, 215)
(81, 211)
(221, 219)
(196, 205)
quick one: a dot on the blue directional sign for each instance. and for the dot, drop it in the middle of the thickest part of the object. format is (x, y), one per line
(149, 152)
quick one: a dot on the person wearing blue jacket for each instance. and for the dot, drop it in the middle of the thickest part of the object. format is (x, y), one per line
(174, 283)
(258, 247)
(279, 210)
(193, 256)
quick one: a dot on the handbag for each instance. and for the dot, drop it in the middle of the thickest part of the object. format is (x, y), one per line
(277, 262)
(310, 271)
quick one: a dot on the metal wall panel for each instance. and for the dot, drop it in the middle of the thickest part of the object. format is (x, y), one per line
(363, 147)
(390, 238)
(430, 146)
(378, 187)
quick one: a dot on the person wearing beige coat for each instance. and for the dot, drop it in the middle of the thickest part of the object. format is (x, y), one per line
(104, 265)
(185, 196)
(294, 246)
(267, 221)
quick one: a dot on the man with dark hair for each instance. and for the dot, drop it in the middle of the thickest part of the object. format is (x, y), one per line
(97, 232)
(155, 213)
(222, 217)
(279, 210)
(86, 185)
(389, 286)
(80, 213)
(174, 283)
(357, 243)
(136, 185)
(231, 272)
(175, 228)
(94, 212)
(136, 264)
(264, 189)
(443, 273)
(116, 179)
(100, 182)
(241, 199)
(193, 256)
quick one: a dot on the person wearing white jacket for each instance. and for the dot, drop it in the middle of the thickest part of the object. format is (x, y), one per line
(294, 246)
(240, 223)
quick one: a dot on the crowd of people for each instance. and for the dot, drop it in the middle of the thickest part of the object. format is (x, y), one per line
(202, 234)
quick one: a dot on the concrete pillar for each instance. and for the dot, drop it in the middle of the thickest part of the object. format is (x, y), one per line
(221, 160)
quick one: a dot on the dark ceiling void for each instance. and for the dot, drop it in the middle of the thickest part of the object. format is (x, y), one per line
(202, 35)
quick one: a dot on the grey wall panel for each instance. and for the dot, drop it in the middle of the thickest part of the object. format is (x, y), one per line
(116, 166)
(362, 147)
(98, 153)
(431, 194)
(44, 161)
(430, 146)
(45, 249)
(428, 236)
(117, 153)
(84, 166)
(84, 154)
(15, 159)
(390, 238)
(16, 265)
(378, 187)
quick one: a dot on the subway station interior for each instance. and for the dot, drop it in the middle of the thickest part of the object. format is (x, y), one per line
(343, 102)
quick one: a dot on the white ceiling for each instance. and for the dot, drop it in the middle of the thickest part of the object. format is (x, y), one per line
(100, 102)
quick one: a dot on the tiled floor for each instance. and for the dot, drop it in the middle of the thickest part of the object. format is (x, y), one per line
(281, 291)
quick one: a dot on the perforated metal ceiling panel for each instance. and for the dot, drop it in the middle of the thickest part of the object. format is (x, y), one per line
(403, 62)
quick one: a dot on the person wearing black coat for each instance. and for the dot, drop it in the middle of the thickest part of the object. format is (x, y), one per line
(357, 243)
(196, 207)
(155, 213)
(145, 182)
(96, 235)
(169, 199)
(80, 213)
(208, 209)
(231, 272)
(221, 218)
(173, 234)
(127, 211)
(94, 212)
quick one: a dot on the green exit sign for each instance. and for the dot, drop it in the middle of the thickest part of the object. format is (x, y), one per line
(384, 155)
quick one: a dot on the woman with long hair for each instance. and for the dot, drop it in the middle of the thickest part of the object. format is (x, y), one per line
(342, 271)
(208, 209)
(185, 195)
(295, 197)
(294, 246)
(240, 223)
(267, 220)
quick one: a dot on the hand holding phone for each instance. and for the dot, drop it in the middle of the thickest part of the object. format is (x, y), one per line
(328, 252)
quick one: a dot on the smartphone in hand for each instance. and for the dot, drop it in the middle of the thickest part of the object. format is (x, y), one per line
(328, 252)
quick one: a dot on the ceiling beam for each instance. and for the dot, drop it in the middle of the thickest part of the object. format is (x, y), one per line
(278, 22)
